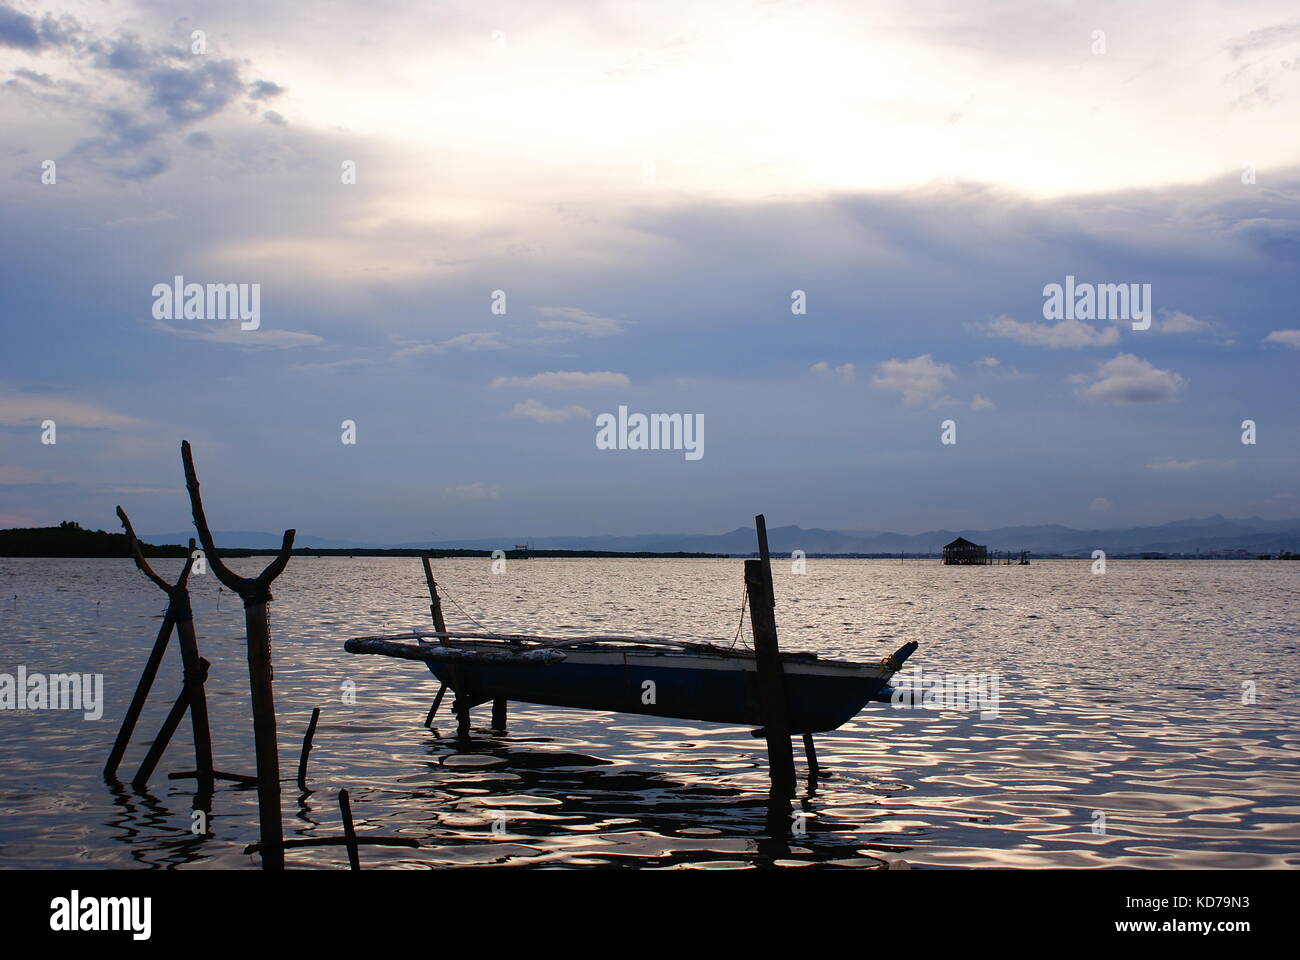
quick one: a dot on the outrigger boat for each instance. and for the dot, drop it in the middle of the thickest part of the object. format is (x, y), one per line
(654, 676)
(657, 677)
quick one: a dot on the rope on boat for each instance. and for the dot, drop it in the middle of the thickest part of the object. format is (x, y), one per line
(443, 588)
(744, 605)
(489, 634)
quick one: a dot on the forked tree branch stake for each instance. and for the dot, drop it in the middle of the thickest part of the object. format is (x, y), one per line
(180, 616)
(255, 592)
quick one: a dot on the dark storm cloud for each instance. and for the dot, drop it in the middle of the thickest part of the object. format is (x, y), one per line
(171, 89)
(18, 30)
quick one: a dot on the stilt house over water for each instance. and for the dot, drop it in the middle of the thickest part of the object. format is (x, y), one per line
(962, 550)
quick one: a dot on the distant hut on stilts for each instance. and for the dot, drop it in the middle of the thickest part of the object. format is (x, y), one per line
(962, 551)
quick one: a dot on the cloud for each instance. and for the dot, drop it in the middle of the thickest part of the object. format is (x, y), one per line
(232, 335)
(1265, 37)
(1175, 321)
(981, 402)
(1172, 464)
(18, 476)
(1099, 505)
(409, 349)
(919, 380)
(537, 411)
(30, 409)
(1065, 335)
(332, 366)
(139, 94)
(844, 371)
(565, 380)
(1129, 379)
(264, 90)
(990, 362)
(19, 31)
(1290, 338)
(474, 341)
(573, 320)
(472, 492)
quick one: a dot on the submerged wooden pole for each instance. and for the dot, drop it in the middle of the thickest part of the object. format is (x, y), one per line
(810, 753)
(767, 655)
(195, 674)
(349, 832)
(306, 749)
(261, 687)
(435, 604)
(181, 617)
(437, 702)
(460, 707)
(185, 701)
(256, 594)
(439, 624)
(141, 695)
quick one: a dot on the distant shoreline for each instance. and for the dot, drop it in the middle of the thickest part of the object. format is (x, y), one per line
(75, 542)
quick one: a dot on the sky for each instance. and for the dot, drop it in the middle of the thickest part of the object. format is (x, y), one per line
(825, 230)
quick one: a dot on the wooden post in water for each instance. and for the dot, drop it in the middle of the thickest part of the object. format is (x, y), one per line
(435, 605)
(306, 749)
(349, 832)
(181, 617)
(256, 594)
(437, 702)
(141, 695)
(196, 672)
(439, 624)
(810, 754)
(767, 655)
(499, 715)
(185, 701)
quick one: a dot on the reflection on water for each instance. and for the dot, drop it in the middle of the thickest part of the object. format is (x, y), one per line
(1121, 696)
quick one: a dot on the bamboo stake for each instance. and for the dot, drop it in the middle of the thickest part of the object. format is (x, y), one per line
(260, 680)
(181, 617)
(349, 832)
(771, 681)
(435, 611)
(256, 593)
(141, 695)
(435, 604)
(810, 753)
(183, 702)
(194, 674)
(306, 749)
(437, 702)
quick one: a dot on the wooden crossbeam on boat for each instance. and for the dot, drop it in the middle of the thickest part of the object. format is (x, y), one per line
(538, 641)
(387, 647)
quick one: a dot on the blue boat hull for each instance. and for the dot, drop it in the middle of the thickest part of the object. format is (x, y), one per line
(815, 701)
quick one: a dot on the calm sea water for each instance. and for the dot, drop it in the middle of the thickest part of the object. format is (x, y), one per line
(1122, 695)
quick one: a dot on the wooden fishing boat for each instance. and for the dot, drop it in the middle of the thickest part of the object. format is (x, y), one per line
(658, 677)
(779, 694)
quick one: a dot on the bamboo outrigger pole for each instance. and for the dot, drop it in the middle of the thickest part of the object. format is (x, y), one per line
(256, 593)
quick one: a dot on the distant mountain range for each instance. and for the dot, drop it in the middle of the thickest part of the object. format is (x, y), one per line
(1215, 534)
